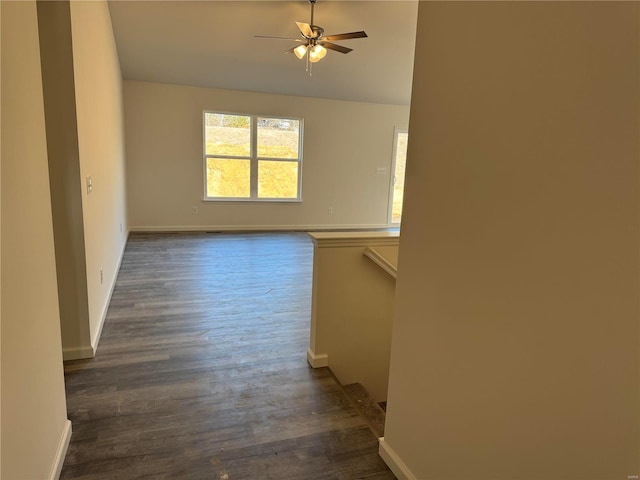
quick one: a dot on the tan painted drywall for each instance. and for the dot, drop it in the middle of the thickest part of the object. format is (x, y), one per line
(515, 339)
(99, 106)
(84, 111)
(344, 143)
(352, 311)
(33, 401)
(0, 264)
(66, 184)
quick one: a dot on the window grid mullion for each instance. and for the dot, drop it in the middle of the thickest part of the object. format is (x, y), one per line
(278, 159)
(227, 157)
(254, 156)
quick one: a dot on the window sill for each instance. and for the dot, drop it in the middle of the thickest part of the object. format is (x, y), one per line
(253, 200)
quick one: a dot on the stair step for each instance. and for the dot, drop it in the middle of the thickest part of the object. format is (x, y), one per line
(367, 407)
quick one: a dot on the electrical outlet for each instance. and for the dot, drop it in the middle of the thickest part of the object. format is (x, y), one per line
(121, 228)
(330, 210)
(194, 210)
(101, 277)
(89, 185)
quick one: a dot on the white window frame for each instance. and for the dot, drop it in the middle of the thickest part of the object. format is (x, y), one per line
(253, 158)
(392, 177)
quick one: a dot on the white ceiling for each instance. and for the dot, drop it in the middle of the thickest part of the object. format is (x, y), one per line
(211, 44)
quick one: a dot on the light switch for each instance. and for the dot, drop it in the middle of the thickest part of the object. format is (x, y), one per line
(381, 170)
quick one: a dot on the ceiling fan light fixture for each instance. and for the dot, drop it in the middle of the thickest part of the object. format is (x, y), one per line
(314, 45)
(300, 51)
(317, 53)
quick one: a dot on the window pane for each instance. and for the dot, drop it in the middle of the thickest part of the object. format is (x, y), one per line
(228, 178)
(278, 137)
(277, 179)
(227, 134)
(398, 182)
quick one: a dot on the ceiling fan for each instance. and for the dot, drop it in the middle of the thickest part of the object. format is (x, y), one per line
(314, 43)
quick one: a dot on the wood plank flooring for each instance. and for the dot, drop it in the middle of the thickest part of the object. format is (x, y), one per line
(201, 370)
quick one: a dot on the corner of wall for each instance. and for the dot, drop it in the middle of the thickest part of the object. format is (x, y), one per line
(61, 452)
(317, 360)
(77, 353)
(394, 462)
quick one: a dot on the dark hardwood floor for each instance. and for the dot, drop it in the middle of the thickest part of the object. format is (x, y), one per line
(201, 370)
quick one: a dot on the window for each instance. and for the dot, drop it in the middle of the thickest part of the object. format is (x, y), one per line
(250, 157)
(399, 163)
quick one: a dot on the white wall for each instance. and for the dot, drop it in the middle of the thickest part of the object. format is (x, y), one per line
(344, 143)
(515, 339)
(35, 430)
(99, 107)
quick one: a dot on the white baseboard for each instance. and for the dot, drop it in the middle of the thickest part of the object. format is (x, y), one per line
(61, 452)
(257, 228)
(77, 353)
(393, 461)
(317, 361)
(96, 337)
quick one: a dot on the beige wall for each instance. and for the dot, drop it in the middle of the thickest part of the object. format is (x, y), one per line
(515, 340)
(352, 309)
(98, 94)
(85, 137)
(34, 425)
(0, 266)
(54, 28)
(344, 143)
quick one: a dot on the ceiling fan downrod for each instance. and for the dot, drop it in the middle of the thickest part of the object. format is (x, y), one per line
(313, 4)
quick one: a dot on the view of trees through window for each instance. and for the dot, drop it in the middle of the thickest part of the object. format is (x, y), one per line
(252, 157)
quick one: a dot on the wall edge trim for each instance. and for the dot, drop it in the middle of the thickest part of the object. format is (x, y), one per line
(394, 462)
(317, 360)
(61, 452)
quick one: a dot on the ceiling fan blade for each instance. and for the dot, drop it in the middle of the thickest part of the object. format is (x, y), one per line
(333, 46)
(278, 38)
(305, 29)
(344, 36)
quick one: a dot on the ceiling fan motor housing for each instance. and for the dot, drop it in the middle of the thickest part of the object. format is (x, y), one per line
(317, 32)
